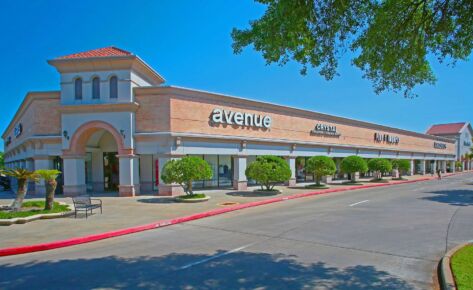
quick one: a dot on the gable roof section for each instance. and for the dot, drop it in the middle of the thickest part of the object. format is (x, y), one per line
(446, 129)
(99, 52)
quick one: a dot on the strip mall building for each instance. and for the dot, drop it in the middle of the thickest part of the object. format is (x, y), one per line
(114, 124)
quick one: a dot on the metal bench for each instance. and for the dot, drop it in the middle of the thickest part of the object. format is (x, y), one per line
(85, 203)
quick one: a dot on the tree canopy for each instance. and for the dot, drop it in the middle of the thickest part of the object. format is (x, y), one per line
(268, 170)
(380, 165)
(352, 164)
(186, 170)
(391, 40)
(2, 160)
(320, 166)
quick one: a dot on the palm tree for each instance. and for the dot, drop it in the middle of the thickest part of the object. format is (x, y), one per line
(49, 176)
(23, 176)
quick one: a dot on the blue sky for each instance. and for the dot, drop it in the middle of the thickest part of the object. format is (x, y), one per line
(189, 43)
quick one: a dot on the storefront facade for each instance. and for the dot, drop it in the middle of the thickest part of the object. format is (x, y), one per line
(113, 125)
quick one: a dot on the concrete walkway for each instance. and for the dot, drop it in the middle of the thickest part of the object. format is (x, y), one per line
(120, 212)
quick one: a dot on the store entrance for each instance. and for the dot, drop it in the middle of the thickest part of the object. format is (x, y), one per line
(110, 171)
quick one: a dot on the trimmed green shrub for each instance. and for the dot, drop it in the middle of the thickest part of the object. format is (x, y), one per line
(268, 170)
(380, 166)
(186, 170)
(403, 165)
(320, 166)
(353, 164)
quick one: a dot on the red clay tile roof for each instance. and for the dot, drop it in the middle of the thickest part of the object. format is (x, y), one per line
(99, 52)
(444, 129)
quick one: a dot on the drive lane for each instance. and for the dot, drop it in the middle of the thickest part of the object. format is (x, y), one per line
(384, 238)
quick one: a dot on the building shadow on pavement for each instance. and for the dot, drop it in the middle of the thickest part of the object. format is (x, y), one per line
(457, 197)
(241, 270)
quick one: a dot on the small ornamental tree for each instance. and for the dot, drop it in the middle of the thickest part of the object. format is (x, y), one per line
(380, 166)
(268, 170)
(186, 170)
(353, 164)
(22, 176)
(49, 176)
(403, 165)
(320, 166)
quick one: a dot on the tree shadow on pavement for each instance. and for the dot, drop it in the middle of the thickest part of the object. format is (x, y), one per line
(458, 197)
(241, 270)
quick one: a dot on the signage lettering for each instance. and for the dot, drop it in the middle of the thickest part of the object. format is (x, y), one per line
(324, 129)
(241, 119)
(440, 145)
(386, 138)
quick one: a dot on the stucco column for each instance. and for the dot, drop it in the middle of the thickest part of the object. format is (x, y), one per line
(74, 175)
(444, 166)
(41, 162)
(452, 166)
(413, 168)
(129, 175)
(291, 161)
(239, 176)
(434, 167)
(167, 189)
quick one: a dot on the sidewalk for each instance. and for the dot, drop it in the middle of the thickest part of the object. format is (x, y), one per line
(120, 212)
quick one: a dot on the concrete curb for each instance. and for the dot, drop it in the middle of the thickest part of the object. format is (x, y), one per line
(162, 223)
(447, 282)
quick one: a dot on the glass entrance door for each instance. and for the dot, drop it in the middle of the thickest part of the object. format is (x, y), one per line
(110, 171)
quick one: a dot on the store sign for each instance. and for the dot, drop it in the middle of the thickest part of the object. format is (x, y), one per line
(438, 145)
(221, 116)
(324, 129)
(386, 138)
(18, 130)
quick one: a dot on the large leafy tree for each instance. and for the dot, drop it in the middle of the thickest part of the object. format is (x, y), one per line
(352, 165)
(391, 39)
(268, 171)
(403, 165)
(380, 166)
(320, 166)
(186, 170)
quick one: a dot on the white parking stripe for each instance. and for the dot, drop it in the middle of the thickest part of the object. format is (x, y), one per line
(353, 204)
(214, 257)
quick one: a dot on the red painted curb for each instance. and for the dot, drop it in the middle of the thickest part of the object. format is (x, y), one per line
(163, 223)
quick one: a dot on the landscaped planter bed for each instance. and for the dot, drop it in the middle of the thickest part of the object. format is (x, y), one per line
(192, 198)
(34, 210)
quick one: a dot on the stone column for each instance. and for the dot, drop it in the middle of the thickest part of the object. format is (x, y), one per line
(129, 175)
(166, 189)
(74, 175)
(41, 162)
(413, 168)
(291, 161)
(239, 176)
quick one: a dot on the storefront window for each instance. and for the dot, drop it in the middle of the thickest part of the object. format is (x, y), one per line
(225, 171)
(300, 171)
(88, 171)
(212, 160)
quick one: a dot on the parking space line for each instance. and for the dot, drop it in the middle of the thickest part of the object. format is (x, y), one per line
(214, 257)
(353, 204)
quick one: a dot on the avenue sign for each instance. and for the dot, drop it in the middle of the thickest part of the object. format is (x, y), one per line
(221, 116)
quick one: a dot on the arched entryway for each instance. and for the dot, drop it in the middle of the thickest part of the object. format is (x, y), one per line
(97, 160)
